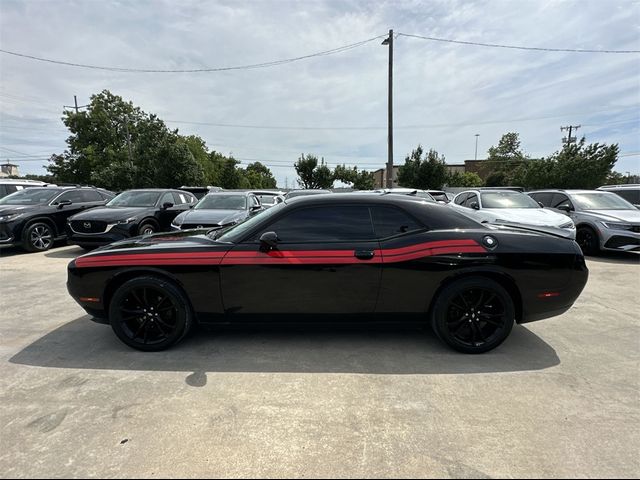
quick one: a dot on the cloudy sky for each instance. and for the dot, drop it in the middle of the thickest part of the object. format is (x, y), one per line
(334, 105)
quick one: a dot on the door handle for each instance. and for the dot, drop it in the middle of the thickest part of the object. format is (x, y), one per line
(364, 254)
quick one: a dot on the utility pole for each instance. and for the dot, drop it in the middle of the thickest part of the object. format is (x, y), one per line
(389, 41)
(75, 105)
(569, 139)
(476, 155)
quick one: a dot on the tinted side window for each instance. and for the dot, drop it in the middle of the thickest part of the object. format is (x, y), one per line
(631, 196)
(470, 199)
(461, 198)
(560, 199)
(90, 196)
(166, 198)
(324, 224)
(390, 221)
(179, 198)
(3, 190)
(544, 198)
(74, 196)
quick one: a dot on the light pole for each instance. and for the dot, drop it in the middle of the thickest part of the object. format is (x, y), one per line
(389, 41)
(476, 156)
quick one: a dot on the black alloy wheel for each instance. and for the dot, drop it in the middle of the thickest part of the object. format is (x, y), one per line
(147, 228)
(38, 237)
(587, 238)
(150, 314)
(473, 315)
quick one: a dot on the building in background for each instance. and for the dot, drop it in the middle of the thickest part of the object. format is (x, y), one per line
(9, 170)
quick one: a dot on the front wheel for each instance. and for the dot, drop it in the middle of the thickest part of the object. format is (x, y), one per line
(147, 228)
(38, 237)
(587, 238)
(473, 315)
(150, 314)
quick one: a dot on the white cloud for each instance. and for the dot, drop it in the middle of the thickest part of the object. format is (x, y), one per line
(467, 88)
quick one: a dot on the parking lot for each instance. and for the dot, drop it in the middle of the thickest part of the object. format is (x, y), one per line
(559, 399)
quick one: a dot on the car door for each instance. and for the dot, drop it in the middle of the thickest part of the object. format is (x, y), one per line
(326, 262)
(62, 211)
(166, 215)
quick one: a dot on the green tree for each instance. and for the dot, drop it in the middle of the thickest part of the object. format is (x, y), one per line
(504, 159)
(115, 145)
(465, 179)
(423, 173)
(259, 176)
(360, 180)
(311, 174)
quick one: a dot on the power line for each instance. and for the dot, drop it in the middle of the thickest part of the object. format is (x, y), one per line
(516, 47)
(197, 70)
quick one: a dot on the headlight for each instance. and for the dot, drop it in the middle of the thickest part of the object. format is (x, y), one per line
(177, 221)
(617, 226)
(569, 225)
(128, 220)
(9, 217)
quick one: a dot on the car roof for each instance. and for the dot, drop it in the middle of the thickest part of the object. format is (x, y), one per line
(228, 193)
(559, 190)
(625, 186)
(371, 197)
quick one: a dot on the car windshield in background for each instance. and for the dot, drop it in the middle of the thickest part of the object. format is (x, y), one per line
(236, 232)
(440, 197)
(266, 199)
(222, 202)
(508, 200)
(30, 196)
(135, 199)
(600, 201)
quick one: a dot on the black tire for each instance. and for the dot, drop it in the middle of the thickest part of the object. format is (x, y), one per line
(38, 237)
(150, 313)
(147, 228)
(473, 315)
(587, 238)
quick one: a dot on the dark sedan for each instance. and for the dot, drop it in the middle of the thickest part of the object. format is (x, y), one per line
(218, 210)
(342, 257)
(132, 213)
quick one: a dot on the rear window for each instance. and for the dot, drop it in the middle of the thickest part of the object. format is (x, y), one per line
(391, 221)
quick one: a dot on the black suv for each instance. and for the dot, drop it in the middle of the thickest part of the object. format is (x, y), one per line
(131, 213)
(34, 218)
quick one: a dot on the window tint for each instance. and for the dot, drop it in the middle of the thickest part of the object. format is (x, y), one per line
(544, 198)
(461, 198)
(178, 198)
(324, 224)
(167, 198)
(90, 196)
(470, 199)
(560, 199)
(631, 196)
(390, 221)
(3, 190)
(74, 196)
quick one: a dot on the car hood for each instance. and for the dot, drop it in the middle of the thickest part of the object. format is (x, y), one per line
(111, 214)
(9, 209)
(632, 216)
(210, 216)
(162, 241)
(527, 216)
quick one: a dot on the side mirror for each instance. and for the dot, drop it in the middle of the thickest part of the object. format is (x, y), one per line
(167, 205)
(474, 205)
(564, 208)
(255, 208)
(64, 203)
(268, 241)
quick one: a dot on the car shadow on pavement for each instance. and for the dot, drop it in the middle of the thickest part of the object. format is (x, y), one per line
(82, 344)
(69, 252)
(630, 258)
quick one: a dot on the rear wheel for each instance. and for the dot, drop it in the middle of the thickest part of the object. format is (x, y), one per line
(150, 314)
(587, 238)
(473, 315)
(38, 237)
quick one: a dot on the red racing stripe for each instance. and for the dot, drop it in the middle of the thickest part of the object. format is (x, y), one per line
(284, 257)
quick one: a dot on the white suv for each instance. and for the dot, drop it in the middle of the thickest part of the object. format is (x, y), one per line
(11, 185)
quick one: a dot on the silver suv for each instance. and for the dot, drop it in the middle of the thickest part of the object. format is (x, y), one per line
(630, 192)
(604, 221)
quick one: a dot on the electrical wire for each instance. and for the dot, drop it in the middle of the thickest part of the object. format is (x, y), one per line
(516, 47)
(197, 70)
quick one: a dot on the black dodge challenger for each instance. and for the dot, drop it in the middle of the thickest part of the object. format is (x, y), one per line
(334, 258)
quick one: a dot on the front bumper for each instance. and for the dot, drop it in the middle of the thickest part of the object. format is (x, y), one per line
(619, 240)
(112, 234)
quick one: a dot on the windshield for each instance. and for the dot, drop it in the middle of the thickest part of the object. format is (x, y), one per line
(135, 198)
(222, 202)
(508, 200)
(599, 201)
(236, 232)
(30, 196)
